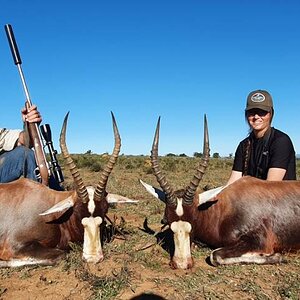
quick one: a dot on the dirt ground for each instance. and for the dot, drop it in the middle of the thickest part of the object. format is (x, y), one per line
(150, 278)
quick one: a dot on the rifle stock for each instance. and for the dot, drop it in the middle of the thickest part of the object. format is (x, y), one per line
(33, 128)
(39, 153)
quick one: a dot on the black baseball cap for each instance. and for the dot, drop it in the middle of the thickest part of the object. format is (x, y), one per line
(259, 99)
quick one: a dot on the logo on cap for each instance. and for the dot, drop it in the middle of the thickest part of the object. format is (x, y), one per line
(258, 97)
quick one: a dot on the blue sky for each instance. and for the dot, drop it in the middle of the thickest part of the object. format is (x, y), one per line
(144, 59)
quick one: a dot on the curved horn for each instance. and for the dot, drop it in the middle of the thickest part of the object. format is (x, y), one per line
(100, 189)
(170, 199)
(191, 189)
(80, 187)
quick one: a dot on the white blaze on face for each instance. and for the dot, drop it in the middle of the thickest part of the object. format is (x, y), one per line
(182, 254)
(92, 250)
(179, 208)
(91, 204)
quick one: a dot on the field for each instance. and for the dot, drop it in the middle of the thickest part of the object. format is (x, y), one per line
(136, 264)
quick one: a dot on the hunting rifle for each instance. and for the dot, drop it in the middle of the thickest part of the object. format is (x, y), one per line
(45, 169)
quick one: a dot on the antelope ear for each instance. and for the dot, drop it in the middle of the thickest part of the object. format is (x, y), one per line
(157, 193)
(57, 210)
(210, 195)
(114, 198)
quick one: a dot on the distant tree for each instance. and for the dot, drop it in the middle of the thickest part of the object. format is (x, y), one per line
(216, 155)
(88, 152)
(182, 155)
(230, 155)
(171, 154)
(197, 154)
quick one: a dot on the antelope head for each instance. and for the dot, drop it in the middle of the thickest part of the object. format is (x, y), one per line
(89, 204)
(181, 205)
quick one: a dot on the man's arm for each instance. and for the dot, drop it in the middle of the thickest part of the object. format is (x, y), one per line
(10, 138)
(235, 175)
(276, 174)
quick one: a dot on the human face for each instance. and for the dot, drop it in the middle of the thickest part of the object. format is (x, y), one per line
(259, 120)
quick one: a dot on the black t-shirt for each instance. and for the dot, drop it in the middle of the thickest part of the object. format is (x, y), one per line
(274, 150)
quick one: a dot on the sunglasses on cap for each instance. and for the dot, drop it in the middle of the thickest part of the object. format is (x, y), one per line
(256, 111)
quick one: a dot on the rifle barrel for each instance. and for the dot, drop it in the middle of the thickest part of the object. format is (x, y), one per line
(33, 127)
(17, 58)
(12, 44)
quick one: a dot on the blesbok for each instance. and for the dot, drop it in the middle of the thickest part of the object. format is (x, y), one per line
(249, 221)
(37, 223)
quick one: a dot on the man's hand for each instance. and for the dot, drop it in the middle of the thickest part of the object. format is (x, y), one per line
(31, 114)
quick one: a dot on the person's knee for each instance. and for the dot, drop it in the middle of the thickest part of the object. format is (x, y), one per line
(29, 154)
(17, 162)
(27, 158)
(21, 151)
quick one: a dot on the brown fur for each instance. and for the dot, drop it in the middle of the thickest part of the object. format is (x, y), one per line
(24, 233)
(250, 215)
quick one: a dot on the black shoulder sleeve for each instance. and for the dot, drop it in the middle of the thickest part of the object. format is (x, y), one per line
(281, 151)
(238, 158)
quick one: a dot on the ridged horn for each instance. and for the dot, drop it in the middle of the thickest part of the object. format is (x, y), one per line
(100, 189)
(170, 199)
(191, 189)
(80, 187)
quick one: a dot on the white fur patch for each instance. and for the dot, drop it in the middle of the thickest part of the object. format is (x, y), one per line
(179, 208)
(24, 262)
(92, 250)
(246, 258)
(91, 204)
(182, 254)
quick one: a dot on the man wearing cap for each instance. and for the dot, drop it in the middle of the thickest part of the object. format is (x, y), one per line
(267, 153)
